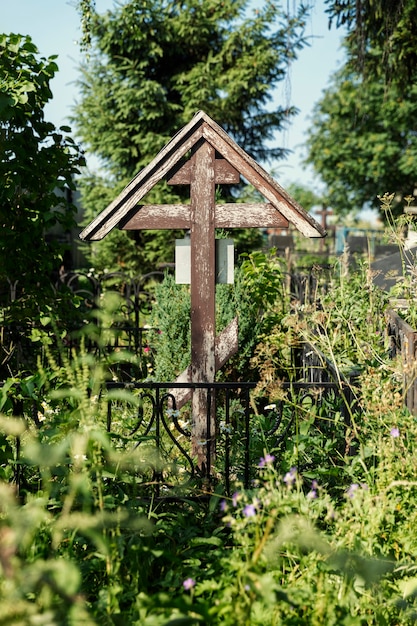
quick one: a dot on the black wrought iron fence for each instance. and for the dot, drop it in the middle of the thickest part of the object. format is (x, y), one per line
(162, 433)
(129, 332)
(315, 368)
(136, 300)
(403, 343)
(146, 421)
(340, 391)
(308, 284)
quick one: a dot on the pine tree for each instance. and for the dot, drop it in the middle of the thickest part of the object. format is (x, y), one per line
(153, 64)
(380, 37)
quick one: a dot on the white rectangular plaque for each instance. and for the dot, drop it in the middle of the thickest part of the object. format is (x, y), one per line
(224, 261)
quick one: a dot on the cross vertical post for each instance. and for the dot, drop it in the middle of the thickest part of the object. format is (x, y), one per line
(203, 311)
(325, 212)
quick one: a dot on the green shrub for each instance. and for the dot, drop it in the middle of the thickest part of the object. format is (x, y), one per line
(257, 298)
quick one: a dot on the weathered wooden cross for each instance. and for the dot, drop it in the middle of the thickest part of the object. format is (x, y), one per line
(324, 212)
(215, 159)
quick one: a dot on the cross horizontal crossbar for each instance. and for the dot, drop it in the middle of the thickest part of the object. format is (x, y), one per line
(229, 215)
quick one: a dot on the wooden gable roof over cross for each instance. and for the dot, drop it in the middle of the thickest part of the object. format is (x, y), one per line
(126, 212)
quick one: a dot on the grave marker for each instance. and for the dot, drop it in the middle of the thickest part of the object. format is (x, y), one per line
(215, 159)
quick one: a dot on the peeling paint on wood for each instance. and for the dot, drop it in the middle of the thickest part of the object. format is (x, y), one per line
(224, 173)
(226, 345)
(262, 181)
(169, 162)
(228, 215)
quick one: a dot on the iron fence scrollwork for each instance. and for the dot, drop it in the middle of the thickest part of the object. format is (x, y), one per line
(160, 428)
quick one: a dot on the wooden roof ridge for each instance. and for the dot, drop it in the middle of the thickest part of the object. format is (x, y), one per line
(164, 164)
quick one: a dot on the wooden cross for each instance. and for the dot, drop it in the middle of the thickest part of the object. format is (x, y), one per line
(202, 172)
(325, 212)
(215, 159)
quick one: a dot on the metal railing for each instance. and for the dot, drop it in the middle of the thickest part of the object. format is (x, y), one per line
(403, 342)
(157, 437)
(163, 433)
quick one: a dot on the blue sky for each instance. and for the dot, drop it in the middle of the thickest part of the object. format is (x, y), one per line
(54, 26)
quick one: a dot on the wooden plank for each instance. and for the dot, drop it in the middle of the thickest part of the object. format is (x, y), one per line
(224, 173)
(203, 311)
(262, 215)
(159, 217)
(227, 343)
(226, 346)
(203, 261)
(261, 180)
(238, 215)
(142, 183)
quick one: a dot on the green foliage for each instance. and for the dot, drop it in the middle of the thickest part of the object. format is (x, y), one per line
(362, 136)
(86, 10)
(171, 316)
(256, 298)
(362, 140)
(288, 551)
(307, 198)
(152, 66)
(265, 297)
(398, 227)
(266, 339)
(238, 300)
(173, 66)
(379, 25)
(325, 534)
(351, 309)
(37, 161)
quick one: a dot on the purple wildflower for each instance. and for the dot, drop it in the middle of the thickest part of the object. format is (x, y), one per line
(352, 489)
(235, 498)
(223, 506)
(266, 460)
(188, 584)
(312, 494)
(249, 510)
(290, 477)
(394, 432)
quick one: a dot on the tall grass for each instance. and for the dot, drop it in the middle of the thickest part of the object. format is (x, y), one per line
(325, 535)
